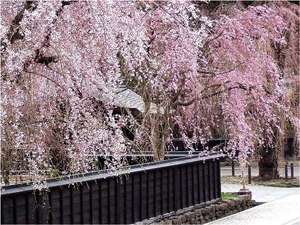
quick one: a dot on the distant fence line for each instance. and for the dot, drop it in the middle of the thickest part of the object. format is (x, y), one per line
(146, 191)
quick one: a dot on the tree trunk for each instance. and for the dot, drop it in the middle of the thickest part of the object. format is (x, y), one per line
(268, 164)
(157, 138)
(159, 132)
(6, 164)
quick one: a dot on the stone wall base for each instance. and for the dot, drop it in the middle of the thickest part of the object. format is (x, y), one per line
(201, 213)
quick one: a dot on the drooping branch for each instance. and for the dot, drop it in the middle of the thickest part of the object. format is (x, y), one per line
(204, 96)
(217, 73)
(46, 77)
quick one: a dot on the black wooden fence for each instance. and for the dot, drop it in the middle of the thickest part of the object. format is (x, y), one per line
(146, 191)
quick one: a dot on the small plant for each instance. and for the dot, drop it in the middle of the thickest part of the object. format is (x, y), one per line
(229, 196)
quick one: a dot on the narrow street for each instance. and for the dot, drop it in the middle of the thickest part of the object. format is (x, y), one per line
(263, 193)
(282, 208)
(281, 205)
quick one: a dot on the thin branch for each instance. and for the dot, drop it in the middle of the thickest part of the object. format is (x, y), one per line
(213, 86)
(212, 39)
(240, 86)
(189, 102)
(48, 78)
(214, 73)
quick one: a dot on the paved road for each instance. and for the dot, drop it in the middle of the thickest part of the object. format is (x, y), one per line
(281, 207)
(263, 193)
(226, 171)
(284, 211)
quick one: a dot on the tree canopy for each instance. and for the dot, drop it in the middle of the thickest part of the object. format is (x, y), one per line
(210, 74)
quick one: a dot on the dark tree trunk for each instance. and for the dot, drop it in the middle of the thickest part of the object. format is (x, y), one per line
(268, 164)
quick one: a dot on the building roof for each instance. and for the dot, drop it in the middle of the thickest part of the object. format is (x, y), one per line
(126, 98)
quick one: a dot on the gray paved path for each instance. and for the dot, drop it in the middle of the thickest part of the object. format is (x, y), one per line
(284, 211)
(263, 193)
(282, 207)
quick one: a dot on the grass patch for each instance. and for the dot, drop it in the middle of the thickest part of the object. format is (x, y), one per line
(229, 196)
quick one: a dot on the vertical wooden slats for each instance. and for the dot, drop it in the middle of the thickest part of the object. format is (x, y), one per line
(49, 209)
(213, 175)
(132, 198)
(199, 183)
(100, 202)
(2, 214)
(193, 193)
(61, 207)
(86, 210)
(71, 205)
(181, 187)
(154, 192)
(125, 199)
(208, 179)
(218, 179)
(7, 210)
(27, 206)
(119, 200)
(186, 190)
(169, 190)
(66, 207)
(111, 193)
(104, 202)
(161, 193)
(14, 207)
(95, 202)
(196, 187)
(81, 203)
(108, 201)
(142, 196)
(91, 203)
(136, 200)
(54, 204)
(116, 203)
(190, 184)
(129, 198)
(174, 189)
(18, 211)
(204, 182)
(158, 192)
(165, 192)
(178, 188)
(147, 195)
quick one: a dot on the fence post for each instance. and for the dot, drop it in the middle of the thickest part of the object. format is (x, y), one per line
(249, 174)
(286, 171)
(232, 168)
(292, 170)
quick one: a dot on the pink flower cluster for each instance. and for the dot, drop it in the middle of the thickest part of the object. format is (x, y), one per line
(61, 59)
